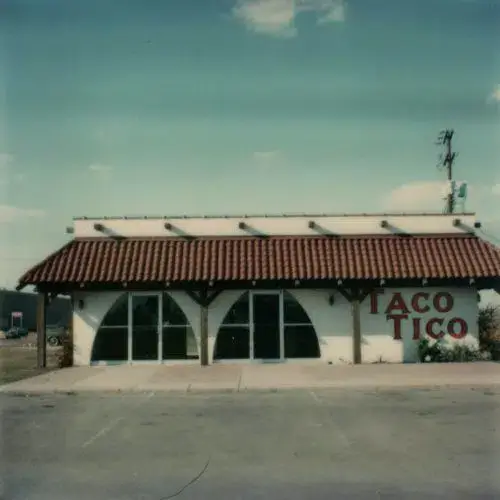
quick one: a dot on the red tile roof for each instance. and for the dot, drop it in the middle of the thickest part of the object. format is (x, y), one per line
(102, 260)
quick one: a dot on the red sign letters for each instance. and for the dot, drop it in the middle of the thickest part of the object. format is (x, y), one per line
(398, 310)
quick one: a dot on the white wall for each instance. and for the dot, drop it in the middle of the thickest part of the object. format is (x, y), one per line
(378, 332)
(275, 225)
(333, 323)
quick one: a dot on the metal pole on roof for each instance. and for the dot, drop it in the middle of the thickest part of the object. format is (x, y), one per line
(446, 161)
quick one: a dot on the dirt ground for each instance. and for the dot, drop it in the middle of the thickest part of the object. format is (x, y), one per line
(18, 359)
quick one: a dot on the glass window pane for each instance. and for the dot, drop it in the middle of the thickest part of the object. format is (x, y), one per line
(239, 312)
(293, 311)
(266, 318)
(145, 310)
(301, 342)
(118, 314)
(179, 343)
(232, 342)
(172, 313)
(110, 344)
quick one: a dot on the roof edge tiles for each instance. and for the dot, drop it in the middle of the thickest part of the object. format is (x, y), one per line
(107, 260)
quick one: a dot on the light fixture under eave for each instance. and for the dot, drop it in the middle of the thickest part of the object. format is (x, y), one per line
(311, 224)
(472, 281)
(98, 226)
(168, 226)
(382, 282)
(424, 282)
(296, 282)
(384, 223)
(242, 225)
(339, 282)
(457, 222)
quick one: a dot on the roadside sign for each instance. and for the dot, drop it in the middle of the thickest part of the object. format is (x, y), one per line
(16, 319)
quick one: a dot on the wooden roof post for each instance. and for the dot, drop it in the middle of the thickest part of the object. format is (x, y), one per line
(41, 329)
(355, 297)
(356, 328)
(203, 328)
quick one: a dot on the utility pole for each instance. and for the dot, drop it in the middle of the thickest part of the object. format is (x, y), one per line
(446, 161)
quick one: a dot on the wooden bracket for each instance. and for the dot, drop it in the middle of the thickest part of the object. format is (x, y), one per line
(352, 294)
(355, 297)
(203, 297)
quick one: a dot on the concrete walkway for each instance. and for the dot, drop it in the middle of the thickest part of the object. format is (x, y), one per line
(191, 378)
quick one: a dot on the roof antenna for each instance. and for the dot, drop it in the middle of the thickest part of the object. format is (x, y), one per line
(446, 162)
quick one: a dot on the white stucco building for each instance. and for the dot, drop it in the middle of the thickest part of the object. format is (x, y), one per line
(323, 288)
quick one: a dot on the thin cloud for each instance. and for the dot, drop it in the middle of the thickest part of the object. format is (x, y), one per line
(5, 159)
(430, 196)
(267, 155)
(277, 17)
(10, 213)
(99, 167)
(101, 171)
(269, 158)
(416, 196)
(495, 94)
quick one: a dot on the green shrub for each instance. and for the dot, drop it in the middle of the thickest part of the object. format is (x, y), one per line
(65, 354)
(438, 352)
(489, 327)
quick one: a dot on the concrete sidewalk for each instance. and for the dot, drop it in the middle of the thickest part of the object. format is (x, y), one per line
(189, 378)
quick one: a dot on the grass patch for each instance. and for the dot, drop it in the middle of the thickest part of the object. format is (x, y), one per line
(18, 362)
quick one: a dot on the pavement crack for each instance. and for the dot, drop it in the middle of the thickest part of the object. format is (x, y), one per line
(190, 483)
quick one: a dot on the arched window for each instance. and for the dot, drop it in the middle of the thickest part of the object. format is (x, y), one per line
(233, 337)
(177, 336)
(111, 340)
(178, 340)
(301, 340)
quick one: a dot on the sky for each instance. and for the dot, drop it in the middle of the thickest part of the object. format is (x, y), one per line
(151, 107)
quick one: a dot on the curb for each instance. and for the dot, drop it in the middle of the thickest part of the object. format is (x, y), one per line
(234, 390)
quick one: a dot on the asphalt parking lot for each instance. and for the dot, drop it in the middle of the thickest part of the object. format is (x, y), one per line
(290, 444)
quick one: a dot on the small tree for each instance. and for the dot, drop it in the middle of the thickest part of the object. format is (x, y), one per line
(489, 326)
(65, 355)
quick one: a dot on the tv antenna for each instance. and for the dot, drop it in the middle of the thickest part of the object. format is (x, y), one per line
(446, 160)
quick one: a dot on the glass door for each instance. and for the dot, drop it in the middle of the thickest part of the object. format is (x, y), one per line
(145, 322)
(266, 326)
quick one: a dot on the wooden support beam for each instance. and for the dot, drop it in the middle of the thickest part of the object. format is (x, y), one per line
(356, 330)
(355, 296)
(41, 329)
(204, 335)
(203, 298)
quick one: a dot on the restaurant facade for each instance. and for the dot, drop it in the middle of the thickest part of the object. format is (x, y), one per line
(289, 288)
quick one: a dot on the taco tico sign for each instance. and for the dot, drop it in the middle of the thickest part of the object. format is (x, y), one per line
(437, 308)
